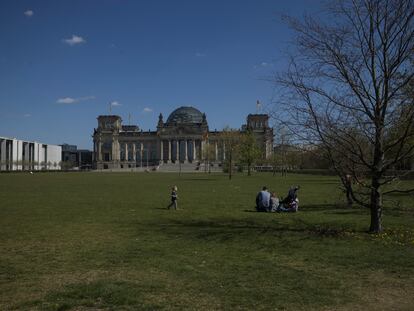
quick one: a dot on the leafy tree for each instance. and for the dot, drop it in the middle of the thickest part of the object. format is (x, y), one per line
(249, 151)
(230, 139)
(209, 153)
(67, 165)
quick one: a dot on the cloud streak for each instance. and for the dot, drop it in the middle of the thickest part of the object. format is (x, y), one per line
(28, 13)
(263, 65)
(146, 110)
(74, 40)
(115, 103)
(71, 100)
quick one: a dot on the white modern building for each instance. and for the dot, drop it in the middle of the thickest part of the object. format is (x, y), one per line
(16, 155)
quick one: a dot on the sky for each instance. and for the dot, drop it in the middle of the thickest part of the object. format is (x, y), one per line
(63, 63)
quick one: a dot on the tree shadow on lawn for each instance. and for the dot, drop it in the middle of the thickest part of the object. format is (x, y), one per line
(317, 207)
(321, 207)
(226, 229)
(316, 181)
(314, 207)
(334, 209)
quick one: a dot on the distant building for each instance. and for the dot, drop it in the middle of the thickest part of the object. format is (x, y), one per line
(181, 139)
(18, 154)
(72, 157)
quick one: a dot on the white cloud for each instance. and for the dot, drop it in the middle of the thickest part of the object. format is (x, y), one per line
(263, 65)
(66, 100)
(146, 109)
(200, 54)
(70, 100)
(28, 13)
(74, 40)
(27, 115)
(115, 103)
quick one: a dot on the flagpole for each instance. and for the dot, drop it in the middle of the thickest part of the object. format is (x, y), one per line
(258, 106)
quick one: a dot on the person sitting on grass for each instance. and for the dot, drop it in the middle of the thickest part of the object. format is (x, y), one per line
(174, 198)
(292, 195)
(274, 202)
(292, 207)
(291, 202)
(263, 200)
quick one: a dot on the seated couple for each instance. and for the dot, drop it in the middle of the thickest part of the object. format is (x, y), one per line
(268, 202)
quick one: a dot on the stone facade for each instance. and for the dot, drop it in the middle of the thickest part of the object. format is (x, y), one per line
(184, 138)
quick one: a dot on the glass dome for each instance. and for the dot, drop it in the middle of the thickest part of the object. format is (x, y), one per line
(185, 115)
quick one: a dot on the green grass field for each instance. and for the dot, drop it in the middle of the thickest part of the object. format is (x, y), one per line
(104, 241)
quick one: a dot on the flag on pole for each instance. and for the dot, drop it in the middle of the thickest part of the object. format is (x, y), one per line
(258, 106)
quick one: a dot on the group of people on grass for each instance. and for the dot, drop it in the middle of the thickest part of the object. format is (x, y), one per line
(268, 201)
(265, 201)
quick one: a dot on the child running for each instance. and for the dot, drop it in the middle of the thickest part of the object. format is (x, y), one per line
(174, 198)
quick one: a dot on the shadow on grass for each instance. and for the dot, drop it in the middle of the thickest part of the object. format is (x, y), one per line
(233, 229)
(349, 211)
(100, 294)
(319, 207)
(305, 208)
(317, 181)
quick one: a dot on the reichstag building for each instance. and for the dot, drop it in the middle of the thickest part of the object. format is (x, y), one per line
(182, 138)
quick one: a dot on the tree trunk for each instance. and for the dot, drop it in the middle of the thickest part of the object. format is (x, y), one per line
(349, 200)
(376, 196)
(249, 169)
(376, 208)
(348, 190)
(230, 166)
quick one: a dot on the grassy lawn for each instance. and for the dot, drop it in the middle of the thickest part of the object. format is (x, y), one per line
(104, 241)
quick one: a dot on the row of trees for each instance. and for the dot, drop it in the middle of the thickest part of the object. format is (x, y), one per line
(240, 149)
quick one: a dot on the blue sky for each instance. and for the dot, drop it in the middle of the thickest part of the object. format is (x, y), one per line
(63, 62)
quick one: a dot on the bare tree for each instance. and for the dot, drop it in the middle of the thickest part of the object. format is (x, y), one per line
(281, 153)
(344, 91)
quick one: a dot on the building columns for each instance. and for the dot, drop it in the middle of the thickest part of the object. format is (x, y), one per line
(185, 150)
(177, 150)
(194, 150)
(100, 151)
(141, 149)
(134, 154)
(3, 154)
(162, 151)
(216, 150)
(169, 151)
